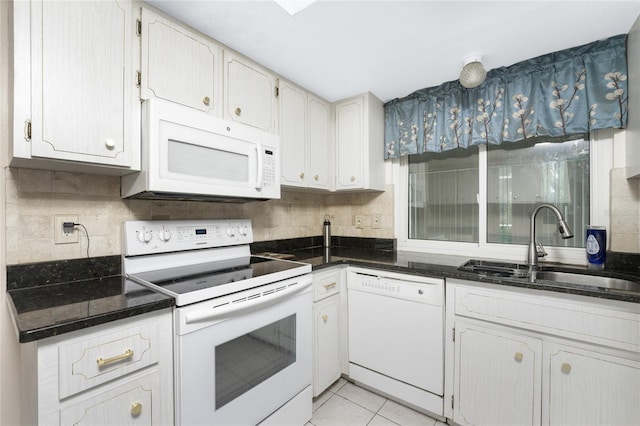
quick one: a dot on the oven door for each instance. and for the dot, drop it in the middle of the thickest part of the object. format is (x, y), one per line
(243, 356)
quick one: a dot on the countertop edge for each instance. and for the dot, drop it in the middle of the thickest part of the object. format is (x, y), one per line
(439, 271)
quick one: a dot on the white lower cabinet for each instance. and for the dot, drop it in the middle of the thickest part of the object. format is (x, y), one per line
(133, 403)
(526, 357)
(498, 376)
(119, 373)
(328, 328)
(589, 386)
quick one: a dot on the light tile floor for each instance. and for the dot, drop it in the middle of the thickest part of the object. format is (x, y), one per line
(345, 404)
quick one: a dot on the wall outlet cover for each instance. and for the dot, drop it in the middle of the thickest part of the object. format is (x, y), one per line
(376, 221)
(59, 234)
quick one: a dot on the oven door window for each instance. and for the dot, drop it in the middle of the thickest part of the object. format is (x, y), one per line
(246, 361)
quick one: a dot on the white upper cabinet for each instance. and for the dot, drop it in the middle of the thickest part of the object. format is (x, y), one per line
(293, 134)
(304, 138)
(180, 65)
(75, 88)
(359, 125)
(319, 142)
(249, 93)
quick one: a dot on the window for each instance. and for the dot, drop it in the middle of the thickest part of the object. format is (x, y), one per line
(442, 196)
(520, 177)
(478, 201)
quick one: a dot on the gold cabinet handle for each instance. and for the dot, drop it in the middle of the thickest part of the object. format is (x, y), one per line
(329, 286)
(127, 354)
(136, 409)
(325, 317)
(353, 178)
(238, 111)
(301, 175)
(565, 368)
(316, 177)
(518, 356)
(206, 100)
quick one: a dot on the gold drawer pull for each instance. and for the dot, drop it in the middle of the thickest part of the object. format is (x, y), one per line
(301, 175)
(136, 409)
(238, 111)
(325, 317)
(329, 286)
(565, 368)
(518, 356)
(206, 100)
(102, 362)
(316, 177)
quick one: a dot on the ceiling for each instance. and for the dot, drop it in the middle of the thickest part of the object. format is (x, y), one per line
(337, 49)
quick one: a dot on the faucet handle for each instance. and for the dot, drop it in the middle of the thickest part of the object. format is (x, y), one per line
(540, 250)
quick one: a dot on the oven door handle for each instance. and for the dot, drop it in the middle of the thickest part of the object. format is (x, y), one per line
(245, 304)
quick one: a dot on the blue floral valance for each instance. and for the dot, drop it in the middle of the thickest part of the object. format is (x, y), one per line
(572, 91)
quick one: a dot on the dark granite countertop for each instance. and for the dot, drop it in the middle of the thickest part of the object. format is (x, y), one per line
(444, 266)
(51, 298)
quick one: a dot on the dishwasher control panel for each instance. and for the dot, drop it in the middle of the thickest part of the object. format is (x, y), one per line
(401, 286)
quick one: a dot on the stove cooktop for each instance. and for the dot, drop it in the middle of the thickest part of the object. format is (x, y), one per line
(194, 283)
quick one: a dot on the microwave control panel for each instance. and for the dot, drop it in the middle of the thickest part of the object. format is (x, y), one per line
(269, 173)
(151, 237)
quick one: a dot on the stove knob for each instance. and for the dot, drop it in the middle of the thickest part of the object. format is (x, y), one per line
(165, 235)
(144, 236)
(243, 229)
(231, 231)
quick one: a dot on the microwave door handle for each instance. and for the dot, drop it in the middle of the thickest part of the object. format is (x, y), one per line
(259, 174)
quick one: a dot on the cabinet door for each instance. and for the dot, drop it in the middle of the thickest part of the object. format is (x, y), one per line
(327, 363)
(586, 387)
(497, 377)
(134, 403)
(83, 91)
(318, 139)
(349, 141)
(180, 65)
(250, 93)
(293, 132)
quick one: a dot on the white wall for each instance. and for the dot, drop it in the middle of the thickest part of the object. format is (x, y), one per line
(9, 349)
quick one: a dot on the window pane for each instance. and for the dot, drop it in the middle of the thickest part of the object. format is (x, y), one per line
(442, 196)
(521, 176)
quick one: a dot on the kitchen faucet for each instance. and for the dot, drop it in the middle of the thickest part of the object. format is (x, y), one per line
(536, 249)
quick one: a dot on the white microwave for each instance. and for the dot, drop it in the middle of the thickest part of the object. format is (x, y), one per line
(190, 155)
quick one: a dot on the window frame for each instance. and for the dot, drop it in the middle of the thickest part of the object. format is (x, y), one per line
(600, 163)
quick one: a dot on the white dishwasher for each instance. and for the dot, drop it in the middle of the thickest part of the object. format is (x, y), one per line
(396, 336)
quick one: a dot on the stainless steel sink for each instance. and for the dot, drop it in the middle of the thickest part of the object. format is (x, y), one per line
(588, 280)
(516, 270)
(500, 269)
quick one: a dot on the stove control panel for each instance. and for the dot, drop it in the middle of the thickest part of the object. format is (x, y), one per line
(154, 236)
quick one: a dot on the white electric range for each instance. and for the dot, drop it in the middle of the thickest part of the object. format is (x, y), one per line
(242, 341)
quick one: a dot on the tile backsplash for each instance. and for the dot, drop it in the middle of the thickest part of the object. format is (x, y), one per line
(34, 197)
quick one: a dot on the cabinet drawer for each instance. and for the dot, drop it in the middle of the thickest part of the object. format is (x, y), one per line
(326, 284)
(580, 319)
(106, 356)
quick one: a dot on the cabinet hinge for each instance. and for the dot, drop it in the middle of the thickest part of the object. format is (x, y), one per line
(452, 402)
(453, 334)
(138, 78)
(27, 130)
(138, 27)
(277, 91)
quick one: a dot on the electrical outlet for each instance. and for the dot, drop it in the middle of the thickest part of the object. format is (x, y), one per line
(359, 221)
(62, 236)
(376, 220)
